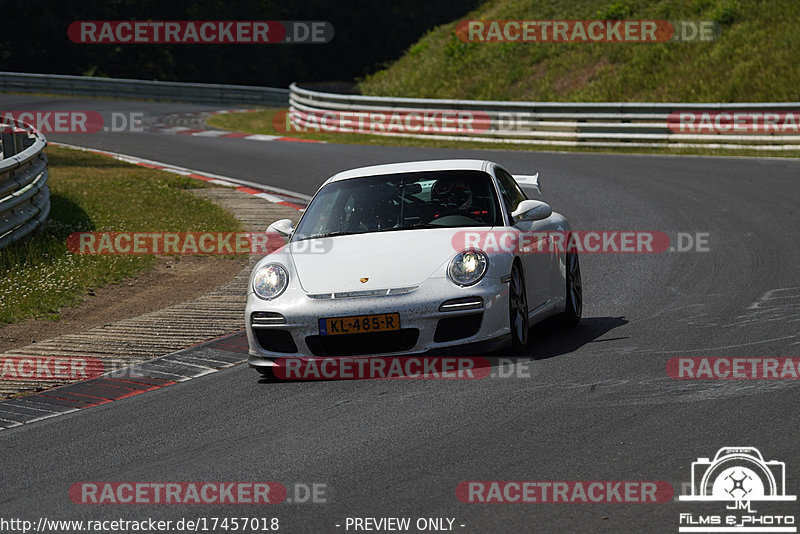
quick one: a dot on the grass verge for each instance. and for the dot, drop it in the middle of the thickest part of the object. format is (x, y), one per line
(39, 276)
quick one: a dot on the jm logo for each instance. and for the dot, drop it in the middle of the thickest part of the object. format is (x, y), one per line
(738, 474)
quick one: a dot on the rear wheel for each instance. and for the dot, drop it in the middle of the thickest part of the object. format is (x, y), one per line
(518, 309)
(572, 314)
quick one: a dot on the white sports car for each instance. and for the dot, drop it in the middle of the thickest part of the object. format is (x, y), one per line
(411, 258)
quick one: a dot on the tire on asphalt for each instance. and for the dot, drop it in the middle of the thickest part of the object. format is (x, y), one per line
(574, 310)
(518, 309)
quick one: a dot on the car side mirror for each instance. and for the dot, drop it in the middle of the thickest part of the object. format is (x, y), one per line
(285, 227)
(532, 210)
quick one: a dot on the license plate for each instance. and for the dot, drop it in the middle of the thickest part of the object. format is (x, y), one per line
(359, 324)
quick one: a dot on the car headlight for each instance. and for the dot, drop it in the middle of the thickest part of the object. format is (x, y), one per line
(270, 281)
(468, 267)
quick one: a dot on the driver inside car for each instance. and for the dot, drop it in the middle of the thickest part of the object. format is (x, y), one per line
(451, 196)
(374, 211)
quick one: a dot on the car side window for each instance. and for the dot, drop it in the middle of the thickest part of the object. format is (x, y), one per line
(509, 190)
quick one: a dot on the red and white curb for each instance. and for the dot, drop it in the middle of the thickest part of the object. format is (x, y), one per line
(205, 132)
(180, 366)
(284, 197)
(198, 132)
(185, 130)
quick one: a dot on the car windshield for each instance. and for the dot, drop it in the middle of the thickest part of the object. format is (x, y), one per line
(440, 199)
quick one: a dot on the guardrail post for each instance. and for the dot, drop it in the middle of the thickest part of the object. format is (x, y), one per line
(19, 138)
(8, 142)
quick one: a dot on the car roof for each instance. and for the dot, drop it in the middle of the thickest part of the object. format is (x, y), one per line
(413, 166)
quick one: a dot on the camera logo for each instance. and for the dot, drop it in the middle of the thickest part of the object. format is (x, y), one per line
(738, 474)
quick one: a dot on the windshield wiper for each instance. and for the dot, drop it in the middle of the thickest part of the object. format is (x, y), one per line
(410, 227)
(329, 234)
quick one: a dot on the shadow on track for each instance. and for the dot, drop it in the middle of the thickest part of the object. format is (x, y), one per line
(547, 339)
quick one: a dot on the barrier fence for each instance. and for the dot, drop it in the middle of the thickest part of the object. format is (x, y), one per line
(760, 126)
(201, 93)
(24, 194)
(767, 126)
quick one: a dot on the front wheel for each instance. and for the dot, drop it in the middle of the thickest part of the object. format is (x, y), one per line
(572, 314)
(518, 309)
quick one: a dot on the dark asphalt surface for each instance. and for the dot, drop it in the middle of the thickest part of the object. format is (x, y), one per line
(598, 404)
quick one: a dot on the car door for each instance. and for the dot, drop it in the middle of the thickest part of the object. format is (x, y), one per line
(537, 262)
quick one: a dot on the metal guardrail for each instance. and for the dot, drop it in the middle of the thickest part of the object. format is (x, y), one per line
(24, 194)
(605, 124)
(200, 93)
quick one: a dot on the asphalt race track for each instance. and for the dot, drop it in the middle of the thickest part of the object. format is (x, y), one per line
(590, 403)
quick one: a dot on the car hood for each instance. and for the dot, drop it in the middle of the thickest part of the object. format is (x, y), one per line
(384, 260)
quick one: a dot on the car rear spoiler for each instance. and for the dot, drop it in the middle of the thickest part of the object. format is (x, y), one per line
(529, 181)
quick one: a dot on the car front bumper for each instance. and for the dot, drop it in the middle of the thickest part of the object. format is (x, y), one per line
(420, 315)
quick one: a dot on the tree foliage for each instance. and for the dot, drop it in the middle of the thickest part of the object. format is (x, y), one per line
(368, 34)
